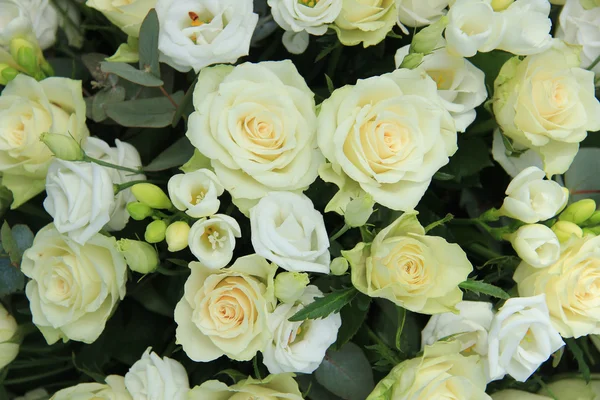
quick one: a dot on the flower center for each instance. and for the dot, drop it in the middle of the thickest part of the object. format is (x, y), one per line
(308, 3)
(196, 21)
(214, 238)
(198, 195)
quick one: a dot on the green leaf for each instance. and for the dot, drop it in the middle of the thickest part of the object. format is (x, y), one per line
(10, 244)
(478, 287)
(346, 373)
(131, 74)
(174, 156)
(441, 176)
(330, 86)
(326, 50)
(472, 156)
(155, 112)
(312, 390)
(23, 236)
(235, 375)
(148, 44)
(323, 306)
(12, 279)
(577, 352)
(353, 317)
(195, 163)
(186, 104)
(109, 95)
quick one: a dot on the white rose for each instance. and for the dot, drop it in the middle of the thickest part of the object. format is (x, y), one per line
(196, 193)
(461, 85)
(300, 15)
(114, 389)
(128, 15)
(287, 230)
(521, 338)
(299, 346)
(212, 240)
(125, 155)
(14, 22)
(536, 244)
(513, 165)
(8, 346)
(196, 34)
(470, 326)
(526, 27)
(73, 289)
(80, 198)
(417, 13)
(44, 19)
(530, 198)
(577, 25)
(36, 394)
(155, 378)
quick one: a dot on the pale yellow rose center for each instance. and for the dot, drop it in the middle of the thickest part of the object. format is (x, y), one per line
(404, 265)
(228, 306)
(59, 283)
(308, 3)
(588, 287)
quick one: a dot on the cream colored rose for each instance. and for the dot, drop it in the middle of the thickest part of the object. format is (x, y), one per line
(365, 21)
(273, 387)
(441, 373)
(571, 286)
(73, 289)
(224, 312)
(580, 25)
(572, 389)
(546, 102)
(9, 347)
(388, 133)
(418, 272)
(417, 13)
(257, 124)
(128, 15)
(114, 389)
(511, 394)
(27, 109)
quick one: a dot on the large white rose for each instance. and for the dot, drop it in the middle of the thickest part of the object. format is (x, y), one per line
(536, 244)
(417, 13)
(212, 240)
(257, 124)
(128, 15)
(526, 27)
(9, 348)
(114, 389)
(577, 25)
(196, 192)
(73, 289)
(155, 378)
(461, 85)
(388, 133)
(287, 230)
(195, 34)
(299, 346)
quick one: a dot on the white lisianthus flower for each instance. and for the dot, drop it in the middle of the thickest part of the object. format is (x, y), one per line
(299, 346)
(197, 33)
(530, 198)
(212, 240)
(521, 338)
(526, 27)
(80, 198)
(287, 230)
(470, 326)
(128, 15)
(581, 26)
(536, 244)
(9, 348)
(73, 289)
(461, 85)
(114, 389)
(15, 21)
(155, 378)
(44, 20)
(418, 13)
(511, 164)
(196, 192)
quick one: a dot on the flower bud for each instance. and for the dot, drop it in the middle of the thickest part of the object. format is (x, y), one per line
(565, 229)
(412, 61)
(25, 53)
(594, 219)
(140, 256)
(428, 38)
(151, 195)
(579, 211)
(46, 68)
(501, 5)
(63, 147)
(177, 236)
(589, 232)
(536, 244)
(139, 211)
(339, 266)
(7, 73)
(289, 286)
(359, 210)
(155, 231)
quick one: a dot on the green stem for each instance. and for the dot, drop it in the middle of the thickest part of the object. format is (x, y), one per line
(36, 377)
(37, 363)
(339, 233)
(483, 251)
(594, 63)
(447, 218)
(127, 185)
(110, 165)
(172, 272)
(256, 370)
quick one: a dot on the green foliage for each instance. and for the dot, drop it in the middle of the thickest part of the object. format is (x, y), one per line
(149, 113)
(479, 287)
(323, 306)
(131, 74)
(148, 44)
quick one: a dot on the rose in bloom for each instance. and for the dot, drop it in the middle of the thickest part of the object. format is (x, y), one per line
(521, 338)
(511, 394)
(273, 387)
(530, 198)
(9, 348)
(581, 26)
(157, 378)
(27, 109)
(461, 85)
(225, 312)
(365, 21)
(389, 134)
(469, 327)
(287, 230)
(257, 124)
(196, 192)
(570, 285)
(546, 102)
(441, 373)
(536, 244)
(73, 289)
(418, 13)
(299, 346)
(418, 272)
(128, 15)
(114, 389)
(80, 198)
(212, 240)
(196, 34)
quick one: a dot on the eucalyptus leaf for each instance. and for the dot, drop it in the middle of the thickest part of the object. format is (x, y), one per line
(174, 156)
(148, 44)
(131, 74)
(145, 113)
(12, 279)
(106, 96)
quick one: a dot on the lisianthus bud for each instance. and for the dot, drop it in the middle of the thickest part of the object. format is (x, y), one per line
(589, 232)
(151, 195)
(339, 266)
(7, 74)
(594, 219)
(25, 53)
(565, 229)
(138, 210)
(155, 231)
(140, 256)
(289, 286)
(579, 211)
(500, 5)
(412, 61)
(62, 146)
(177, 236)
(428, 38)
(359, 210)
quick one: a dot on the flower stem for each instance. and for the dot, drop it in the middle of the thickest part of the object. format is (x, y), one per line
(110, 165)
(43, 375)
(37, 363)
(127, 185)
(594, 63)
(172, 272)
(168, 96)
(339, 233)
(447, 218)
